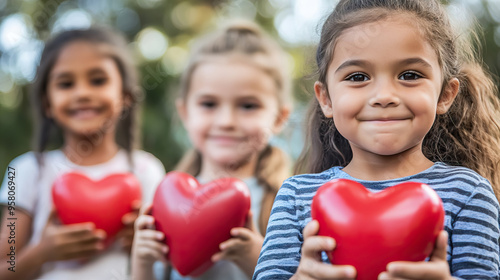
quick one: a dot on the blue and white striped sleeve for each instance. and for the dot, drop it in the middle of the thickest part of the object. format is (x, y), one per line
(475, 236)
(280, 255)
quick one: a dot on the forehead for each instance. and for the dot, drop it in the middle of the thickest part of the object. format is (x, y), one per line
(384, 40)
(231, 76)
(81, 56)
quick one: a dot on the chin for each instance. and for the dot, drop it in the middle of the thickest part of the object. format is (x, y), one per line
(232, 163)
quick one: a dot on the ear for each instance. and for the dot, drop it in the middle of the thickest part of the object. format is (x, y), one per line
(324, 99)
(448, 96)
(180, 105)
(281, 118)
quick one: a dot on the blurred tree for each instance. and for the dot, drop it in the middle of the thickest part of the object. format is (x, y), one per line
(160, 33)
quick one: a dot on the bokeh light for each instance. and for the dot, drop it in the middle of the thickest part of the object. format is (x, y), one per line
(152, 43)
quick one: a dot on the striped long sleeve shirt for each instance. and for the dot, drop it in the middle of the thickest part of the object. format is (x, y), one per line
(472, 220)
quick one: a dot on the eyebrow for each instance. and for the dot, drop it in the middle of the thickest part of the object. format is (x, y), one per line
(416, 60)
(96, 71)
(352, 62)
(364, 63)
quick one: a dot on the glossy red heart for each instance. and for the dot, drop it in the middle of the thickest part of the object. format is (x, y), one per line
(197, 218)
(78, 199)
(400, 223)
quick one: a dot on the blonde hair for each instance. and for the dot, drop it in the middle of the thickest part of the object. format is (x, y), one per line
(245, 40)
(467, 135)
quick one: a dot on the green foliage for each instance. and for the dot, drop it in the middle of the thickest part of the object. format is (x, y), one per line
(179, 21)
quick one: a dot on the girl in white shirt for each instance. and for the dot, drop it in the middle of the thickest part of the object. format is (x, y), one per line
(86, 88)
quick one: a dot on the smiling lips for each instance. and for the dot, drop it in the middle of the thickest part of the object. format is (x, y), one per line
(226, 140)
(85, 112)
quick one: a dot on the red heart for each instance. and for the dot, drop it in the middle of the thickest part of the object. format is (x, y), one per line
(78, 199)
(197, 218)
(400, 223)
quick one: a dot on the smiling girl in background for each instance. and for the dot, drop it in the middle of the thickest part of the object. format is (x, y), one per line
(88, 88)
(235, 95)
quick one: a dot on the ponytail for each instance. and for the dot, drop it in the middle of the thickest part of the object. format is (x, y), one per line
(469, 133)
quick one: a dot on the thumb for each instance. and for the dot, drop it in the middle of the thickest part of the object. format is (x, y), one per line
(311, 229)
(249, 222)
(439, 253)
(53, 218)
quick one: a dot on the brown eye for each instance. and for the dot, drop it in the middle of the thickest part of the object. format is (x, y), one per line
(249, 106)
(410, 75)
(357, 77)
(65, 84)
(208, 104)
(98, 81)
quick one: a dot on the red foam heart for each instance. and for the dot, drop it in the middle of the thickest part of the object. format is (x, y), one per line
(400, 223)
(78, 199)
(197, 218)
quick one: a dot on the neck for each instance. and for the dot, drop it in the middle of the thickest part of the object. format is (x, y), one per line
(212, 171)
(90, 150)
(371, 167)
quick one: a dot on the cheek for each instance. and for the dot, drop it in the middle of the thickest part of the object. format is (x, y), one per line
(196, 127)
(259, 132)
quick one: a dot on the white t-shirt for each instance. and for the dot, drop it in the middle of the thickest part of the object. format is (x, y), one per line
(33, 194)
(223, 269)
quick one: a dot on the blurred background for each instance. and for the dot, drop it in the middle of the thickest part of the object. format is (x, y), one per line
(160, 34)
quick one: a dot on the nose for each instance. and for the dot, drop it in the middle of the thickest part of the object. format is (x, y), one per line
(225, 117)
(385, 94)
(82, 90)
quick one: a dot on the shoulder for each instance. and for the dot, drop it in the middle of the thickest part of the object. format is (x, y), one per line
(462, 186)
(304, 186)
(144, 159)
(460, 177)
(24, 161)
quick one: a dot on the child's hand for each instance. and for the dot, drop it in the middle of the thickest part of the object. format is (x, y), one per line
(148, 246)
(66, 242)
(311, 266)
(244, 248)
(126, 235)
(435, 269)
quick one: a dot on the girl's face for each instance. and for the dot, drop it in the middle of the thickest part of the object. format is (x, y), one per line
(230, 111)
(84, 90)
(384, 85)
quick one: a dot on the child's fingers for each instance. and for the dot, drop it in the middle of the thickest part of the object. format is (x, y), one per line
(149, 234)
(386, 276)
(315, 244)
(217, 257)
(136, 205)
(151, 249)
(319, 270)
(311, 229)
(129, 218)
(439, 253)
(84, 251)
(90, 236)
(76, 229)
(242, 233)
(230, 244)
(146, 209)
(144, 222)
(52, 216)
(417, 270)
